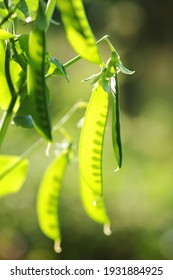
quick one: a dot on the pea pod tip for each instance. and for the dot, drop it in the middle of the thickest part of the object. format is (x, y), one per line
(107, 230)
(57, 246)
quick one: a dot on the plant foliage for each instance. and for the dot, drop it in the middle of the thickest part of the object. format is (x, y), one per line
(25, 66)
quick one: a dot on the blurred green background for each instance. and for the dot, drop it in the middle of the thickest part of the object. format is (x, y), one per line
(139, 198)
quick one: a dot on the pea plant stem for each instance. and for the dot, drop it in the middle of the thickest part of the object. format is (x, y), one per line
(5, 120)
(78, 57)
(56, 128)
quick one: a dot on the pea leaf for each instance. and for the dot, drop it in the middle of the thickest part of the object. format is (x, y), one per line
(5, 35)
(26, 10)
(20, 50)
(18, 77)
(13, 171)
(91, 139)
(48, 199)
(3, 10)
(78, 30)
(23, 121)
(56, 68)
(23, 116)
(123, 69)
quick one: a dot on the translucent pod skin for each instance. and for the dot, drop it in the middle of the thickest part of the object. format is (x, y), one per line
(91, 140)
(78, 30)
(36, 83)
(48, 198)
(94, 205)
(90, 156)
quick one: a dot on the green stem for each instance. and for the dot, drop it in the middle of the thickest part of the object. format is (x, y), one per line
(78, 57)
(7, 70)
(56, 128)
(6, 119)
(11, 13)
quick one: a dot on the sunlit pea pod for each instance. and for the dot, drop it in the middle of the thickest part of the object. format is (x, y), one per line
(48, 199)
(78, 30)
(90, 157)
(91, 139)
(36, 83)
(94, 206)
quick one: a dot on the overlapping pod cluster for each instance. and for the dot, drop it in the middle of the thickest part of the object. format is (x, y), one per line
(25, 65)
(92, 138)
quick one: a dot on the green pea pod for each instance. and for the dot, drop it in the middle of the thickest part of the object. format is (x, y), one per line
(48, 199)
(116, 133)
(36, 83)
(78, 30)
(90, 156)
(94, 206)
(91, 140)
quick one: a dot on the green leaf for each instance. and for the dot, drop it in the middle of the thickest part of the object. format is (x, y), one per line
(13, 171)
(36, 83)
(3, 10)
(91, 139)
(94, 206)
(5, 95)
(20, 50)
(78, 30)
(116, 131)
(105, 84)
(5, 35)
(123, 69)
(23, 115)
(18, 77)
(22, 41)
(23, 121)
(32, 8)
(56, 69)
(26, 10)
(48, 198)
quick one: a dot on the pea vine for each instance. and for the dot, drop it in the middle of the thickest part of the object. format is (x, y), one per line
(25, 66)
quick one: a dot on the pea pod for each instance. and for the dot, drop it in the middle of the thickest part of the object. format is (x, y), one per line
(48, 199)
(116, 133)
(90, 156)
(94, 206)
(78, 30)
(91, 140)
(36, 83)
